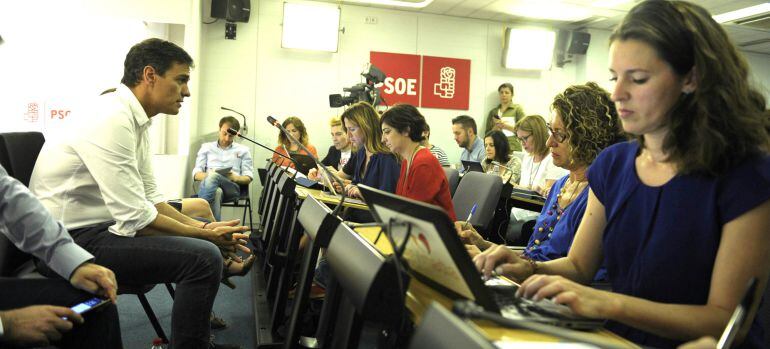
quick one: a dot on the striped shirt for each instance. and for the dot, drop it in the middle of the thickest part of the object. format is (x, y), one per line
(440, 155)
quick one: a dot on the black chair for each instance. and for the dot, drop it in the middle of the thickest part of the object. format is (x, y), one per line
(453, 176)
(442, 329)
(18, 154)
(243, 200)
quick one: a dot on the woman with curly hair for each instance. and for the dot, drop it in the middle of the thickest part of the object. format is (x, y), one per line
(584, 123)
(680, 216)
(285, 147)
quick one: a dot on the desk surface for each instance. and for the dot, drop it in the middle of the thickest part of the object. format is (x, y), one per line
(420, 296)
(319, 195)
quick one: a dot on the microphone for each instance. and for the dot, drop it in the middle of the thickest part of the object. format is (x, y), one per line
(274, 122)
(235, 132)
(495, 163)
(470, 310)
(331, 175)
(245, 128)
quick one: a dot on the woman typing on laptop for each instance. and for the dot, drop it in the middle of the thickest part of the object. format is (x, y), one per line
(680, 215)
(584, 123)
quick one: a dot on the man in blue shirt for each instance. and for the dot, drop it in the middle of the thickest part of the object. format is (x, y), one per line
(211, 166)
(464, 129)
(35, 312)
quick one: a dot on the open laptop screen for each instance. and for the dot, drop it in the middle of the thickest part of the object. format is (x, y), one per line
(434, 252)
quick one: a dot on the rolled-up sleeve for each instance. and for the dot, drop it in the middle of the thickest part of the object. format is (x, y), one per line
(109, 153)
(247, 165)
(29, 226)
(200, 160)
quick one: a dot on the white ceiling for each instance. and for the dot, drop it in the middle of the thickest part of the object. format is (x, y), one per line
(605, 17)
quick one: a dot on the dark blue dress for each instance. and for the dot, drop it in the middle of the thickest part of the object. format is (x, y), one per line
(660, 243)
(555, 228)
(382, 171)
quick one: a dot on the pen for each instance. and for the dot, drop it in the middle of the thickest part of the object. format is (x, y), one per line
(470, 215)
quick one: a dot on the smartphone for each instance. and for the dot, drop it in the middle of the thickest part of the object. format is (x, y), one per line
(91, 304)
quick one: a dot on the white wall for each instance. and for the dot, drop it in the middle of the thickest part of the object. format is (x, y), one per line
(254, 75)
(69, 51)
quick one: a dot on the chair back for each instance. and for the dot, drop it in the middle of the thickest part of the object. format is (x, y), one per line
(453, 176)
(481, 189)
(18, 153)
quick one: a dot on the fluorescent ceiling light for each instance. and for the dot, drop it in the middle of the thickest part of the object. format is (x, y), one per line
(400, 3)
(310, 26)
(529, 49)
(609, 3)
(551, 9)
(742, 13)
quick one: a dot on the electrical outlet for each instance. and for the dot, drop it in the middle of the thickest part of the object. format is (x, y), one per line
(371, 20)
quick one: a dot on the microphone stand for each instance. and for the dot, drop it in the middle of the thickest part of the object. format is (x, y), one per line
(233, 132)
(331, 175)
(245, 127)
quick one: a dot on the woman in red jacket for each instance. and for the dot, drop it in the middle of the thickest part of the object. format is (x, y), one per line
(422, 177)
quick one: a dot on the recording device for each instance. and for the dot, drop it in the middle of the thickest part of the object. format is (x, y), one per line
(89, 305)
(234, 132)
(244, 128)
(361, 92)
(320, 166)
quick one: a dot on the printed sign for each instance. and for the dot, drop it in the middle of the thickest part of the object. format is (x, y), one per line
(402, 73)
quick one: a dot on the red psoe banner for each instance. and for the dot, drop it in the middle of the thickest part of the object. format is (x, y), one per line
(445, 82)
(402, 71)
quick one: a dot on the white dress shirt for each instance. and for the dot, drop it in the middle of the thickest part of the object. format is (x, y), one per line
(101, 170)
(236, 156)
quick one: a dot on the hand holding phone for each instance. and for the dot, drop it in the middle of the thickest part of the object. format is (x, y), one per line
(89, 305)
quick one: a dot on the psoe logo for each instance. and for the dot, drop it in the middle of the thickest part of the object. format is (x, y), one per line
(33, 112)
(445, 88)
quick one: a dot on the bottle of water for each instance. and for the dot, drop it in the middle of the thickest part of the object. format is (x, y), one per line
(157, 343)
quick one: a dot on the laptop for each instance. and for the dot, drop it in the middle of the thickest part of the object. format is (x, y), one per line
(527, 194)
(437, 257)
(469, 166)
(304, 163)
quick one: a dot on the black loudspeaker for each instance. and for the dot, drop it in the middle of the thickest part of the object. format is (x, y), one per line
(231, 10)
(578, 44)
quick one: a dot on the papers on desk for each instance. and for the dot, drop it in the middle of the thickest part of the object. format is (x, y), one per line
(542, 345)
(347, 199)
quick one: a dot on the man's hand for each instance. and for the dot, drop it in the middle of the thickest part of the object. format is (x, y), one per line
(96, 279)
(214, 225)
(227, 238)
(37, 325)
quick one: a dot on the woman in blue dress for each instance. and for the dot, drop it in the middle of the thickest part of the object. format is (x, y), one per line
(681, 215)
(585, 122)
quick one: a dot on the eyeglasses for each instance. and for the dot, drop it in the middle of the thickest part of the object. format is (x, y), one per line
(558, 136)
(523, 139)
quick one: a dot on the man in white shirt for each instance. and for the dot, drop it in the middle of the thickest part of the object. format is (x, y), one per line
(214, 157)
(99, 182)
(35, 312)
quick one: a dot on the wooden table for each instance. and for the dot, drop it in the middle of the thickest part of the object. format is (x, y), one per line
(420, 296)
